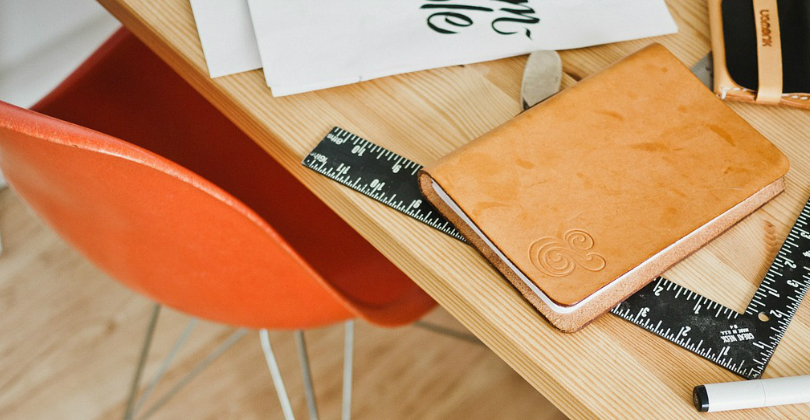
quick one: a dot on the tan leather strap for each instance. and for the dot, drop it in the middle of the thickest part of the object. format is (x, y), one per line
(769, 52)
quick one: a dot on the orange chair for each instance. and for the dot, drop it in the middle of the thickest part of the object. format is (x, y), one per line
(187, 210)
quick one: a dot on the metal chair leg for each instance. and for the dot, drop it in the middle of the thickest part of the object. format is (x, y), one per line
(165, 365)
(136, 381)
(196, 370)
(286, 407)
(448, 332)
(309, 389)
(3, 184)
(348, 356)
(272, 364)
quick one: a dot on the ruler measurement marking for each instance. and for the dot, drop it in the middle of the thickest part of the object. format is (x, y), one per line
(745, 343)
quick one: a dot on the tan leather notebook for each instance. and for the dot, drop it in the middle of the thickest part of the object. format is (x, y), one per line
(588, 196)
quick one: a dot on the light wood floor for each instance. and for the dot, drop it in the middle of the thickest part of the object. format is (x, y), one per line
(70, 337)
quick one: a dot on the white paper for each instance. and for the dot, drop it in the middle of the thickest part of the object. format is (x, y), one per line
(226, 34)
(307, 45)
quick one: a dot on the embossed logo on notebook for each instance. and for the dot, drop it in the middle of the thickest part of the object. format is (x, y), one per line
(560, 257)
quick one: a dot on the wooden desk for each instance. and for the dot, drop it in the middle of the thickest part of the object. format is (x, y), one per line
(612, 369)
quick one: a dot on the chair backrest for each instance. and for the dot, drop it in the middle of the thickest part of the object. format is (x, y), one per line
(160, 228)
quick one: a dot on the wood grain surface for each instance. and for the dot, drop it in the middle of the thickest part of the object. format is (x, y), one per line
(71, 337)
(609, 370)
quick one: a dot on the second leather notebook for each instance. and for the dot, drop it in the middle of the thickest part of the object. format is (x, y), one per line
(585, 198)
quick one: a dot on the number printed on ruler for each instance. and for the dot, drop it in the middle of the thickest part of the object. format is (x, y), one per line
(742, 343)
(376, 172)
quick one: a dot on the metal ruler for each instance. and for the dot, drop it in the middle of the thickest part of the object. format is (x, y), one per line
(740, 342)
(378, 173)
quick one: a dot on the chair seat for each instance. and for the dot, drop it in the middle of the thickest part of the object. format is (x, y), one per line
(126, 91)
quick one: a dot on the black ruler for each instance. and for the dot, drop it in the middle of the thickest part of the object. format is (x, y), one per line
(740, 342)
(378, 173)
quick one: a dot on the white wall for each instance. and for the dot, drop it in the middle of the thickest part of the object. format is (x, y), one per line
(42, 41)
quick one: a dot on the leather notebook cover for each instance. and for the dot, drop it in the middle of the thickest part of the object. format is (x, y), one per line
(588, 196)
